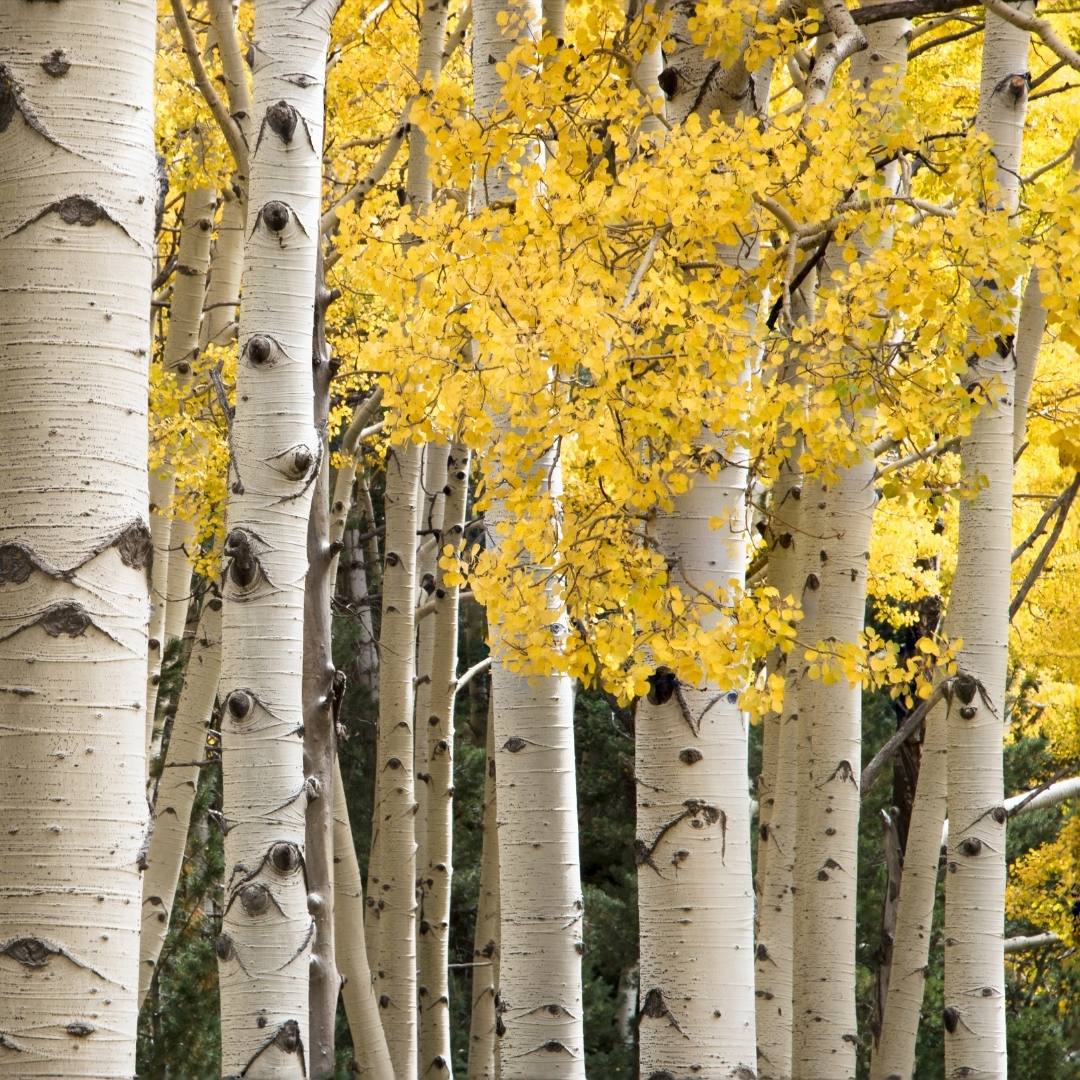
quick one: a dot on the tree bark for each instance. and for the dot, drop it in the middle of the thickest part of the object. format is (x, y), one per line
(265, 943)
(177, 787)
(437, 722)
(77, 170)
(485, 972)
(979, 615)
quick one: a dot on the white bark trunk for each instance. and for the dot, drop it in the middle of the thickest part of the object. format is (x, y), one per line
(979, 615)
(394, 891)
(485, 972)
(181, 349)
(77, 171)
(357, 988)
(266, 934)
(437, 723)
(838, 518)
(176, 789)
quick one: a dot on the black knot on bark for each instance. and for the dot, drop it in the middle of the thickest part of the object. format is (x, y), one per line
(298, 462)
(243, 565)
(135, 547)
(285, 857)
(662, 684)
(965, 687)
(515, 744)
(239, 704)
(65, 618)
(259, 350)
(967, 712)
(384, 1001)
(56, 64)
(79, 210)
(80, 1029)
(30, 952)
(668, 81)
(281, 118)
(951, 1017)
(255, 898)
(690, 756)
(275, 215)
(223, 947)
(15, 564)
(971, 845)
(287, 1038)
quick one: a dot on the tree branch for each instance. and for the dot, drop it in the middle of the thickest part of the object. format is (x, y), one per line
(1039, 564)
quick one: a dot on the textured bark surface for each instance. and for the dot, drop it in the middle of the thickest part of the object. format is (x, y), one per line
(357, 989)
(540, 1006)
(176, 788)
(181, 350)
(265, 943)
(979, 615)
(437, 724)
(485, 972)
(77, 182)
(392, 894)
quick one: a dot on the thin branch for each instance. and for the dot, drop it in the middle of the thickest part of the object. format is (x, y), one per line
(1035, 941)
(471, 673)
(903, 733)
(1040, 526)
(1039, 564)
(1035, 25)
(229, 128)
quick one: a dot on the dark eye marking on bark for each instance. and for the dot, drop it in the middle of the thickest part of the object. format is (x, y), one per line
(285, 1038)
(63, 618)
(17, 561)
(74, 210)
(301, 79)
(242, 549)
(515, 744)
(16, 564)
(654, 1007)
(282, 119)
(135, 547)
(13, 100)
(80, 1029)
(56, 64)
(35, 953)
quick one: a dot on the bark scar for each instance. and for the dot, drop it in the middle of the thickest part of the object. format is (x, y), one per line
(700, 813)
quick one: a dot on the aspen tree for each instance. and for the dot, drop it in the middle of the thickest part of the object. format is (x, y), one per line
(979, 615)
(485, 957)
(177, 787)
(181, 349)
(695, 891)
(540, 1005)
(265, 942)
(77, 205)
(438, 725)
(839, 513)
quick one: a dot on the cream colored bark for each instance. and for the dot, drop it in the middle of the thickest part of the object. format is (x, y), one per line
(76, 262)
(181, 349)
(393, 890)
(979, 615)
(434, 502)
(838, 516)
(541, 1029)
(485, 972)
(266, 934)
(437, 723)
(776, 834)
(357, 989)
(177, 787)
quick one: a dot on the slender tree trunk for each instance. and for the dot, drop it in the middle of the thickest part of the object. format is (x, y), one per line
(265, 944)
(437, 723)
(322, 685)
(979, 615)
(485, 973)
(357, 988)
(394, 843)
(776, 836)
(77, 170)
(176, 789)
(181, 349)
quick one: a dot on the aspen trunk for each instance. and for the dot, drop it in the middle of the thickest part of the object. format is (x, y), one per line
(177, 787)
(77, 171)
(434, 500)
(776, 835)
(265, 944)
(393, 891)
(839, 516)
(181, 349)
(437, 722)
(979, 615)
(357, 989)
(540, 1008)
(322, 686)
(485, 972)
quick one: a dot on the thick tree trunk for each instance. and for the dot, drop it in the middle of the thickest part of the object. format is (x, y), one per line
(181, 349)
(357, 989)
(540, 1008)
(77, 171)
(437, 723)
(393, 891)
(485, 972)
(176, 788)
(979, 615)
(265, 944)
